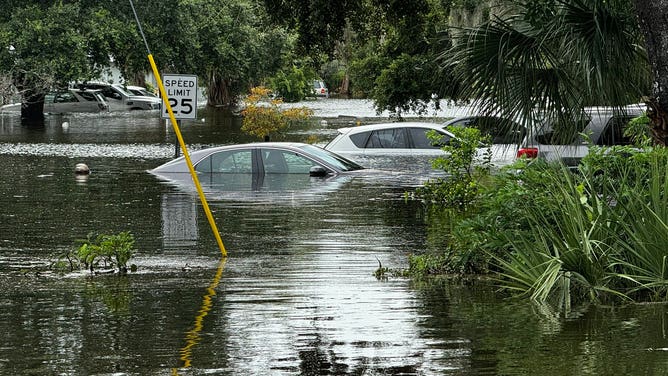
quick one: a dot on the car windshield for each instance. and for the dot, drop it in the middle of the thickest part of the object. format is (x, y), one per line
(336, 160)
(123, 91)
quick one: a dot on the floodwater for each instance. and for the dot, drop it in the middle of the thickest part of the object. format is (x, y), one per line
(297, 294)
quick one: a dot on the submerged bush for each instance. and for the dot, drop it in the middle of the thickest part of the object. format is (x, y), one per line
(102, 251)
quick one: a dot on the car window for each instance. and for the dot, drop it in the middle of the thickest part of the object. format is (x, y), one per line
(558, 133)
(111, 93)
(285, 162)
(501, 131)
(360, 139)
(231, 162)
(88, 96)
(613, 134)
(335, 160)
(421, 139)
(394, 138)
(65, 97)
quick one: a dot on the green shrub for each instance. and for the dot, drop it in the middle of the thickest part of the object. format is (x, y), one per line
(107, 251)
(464, 170)
(291, 84)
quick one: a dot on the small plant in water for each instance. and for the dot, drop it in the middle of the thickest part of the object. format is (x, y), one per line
(103, 251)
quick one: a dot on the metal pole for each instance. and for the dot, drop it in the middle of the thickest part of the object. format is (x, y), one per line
(193, 174)
(176, 142)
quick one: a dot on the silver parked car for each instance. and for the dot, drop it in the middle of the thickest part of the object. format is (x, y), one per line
(68, 101)
(75, 100)
(602, 126)
(258, 166)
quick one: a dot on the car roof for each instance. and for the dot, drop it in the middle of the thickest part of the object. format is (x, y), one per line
(631, 109)
(403, 124)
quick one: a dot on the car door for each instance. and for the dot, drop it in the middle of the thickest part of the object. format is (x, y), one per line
(285, 170)
(88, 102)
(228, 170)
(115, 99)
(61, 102)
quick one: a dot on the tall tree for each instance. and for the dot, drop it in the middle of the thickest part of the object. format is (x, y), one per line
(41, 49)
(555, 56)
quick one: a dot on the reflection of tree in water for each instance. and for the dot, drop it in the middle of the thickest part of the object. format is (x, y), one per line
(316, 361)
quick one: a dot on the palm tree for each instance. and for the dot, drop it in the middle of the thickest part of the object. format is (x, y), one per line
(554, 57)
(651, 17)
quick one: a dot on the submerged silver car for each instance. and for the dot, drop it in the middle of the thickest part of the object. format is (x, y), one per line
(68, 101)
(75, 100)
(258, 166)
(601, 126)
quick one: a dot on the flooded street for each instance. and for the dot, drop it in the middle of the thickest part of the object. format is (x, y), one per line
(297, 294)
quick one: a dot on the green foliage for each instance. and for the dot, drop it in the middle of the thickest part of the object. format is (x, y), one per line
(464, 170)
(363, 73)
(103, 250)
(427, 264)
(397, 94)
(638, 130)
(291, 84)
(551, 235)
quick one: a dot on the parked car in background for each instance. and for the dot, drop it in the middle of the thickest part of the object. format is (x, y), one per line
(140, 90)
(320, 89)
(121, 99)
(403, 140)
(505, 135)
(69, 101)
(75, 100)
(602, 126)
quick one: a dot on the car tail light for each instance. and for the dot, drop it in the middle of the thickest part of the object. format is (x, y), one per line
(529, 153)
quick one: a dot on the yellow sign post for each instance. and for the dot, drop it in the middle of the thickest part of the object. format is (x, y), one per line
(177, 131)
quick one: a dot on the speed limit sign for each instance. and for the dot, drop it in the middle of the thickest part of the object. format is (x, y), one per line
(182, 95)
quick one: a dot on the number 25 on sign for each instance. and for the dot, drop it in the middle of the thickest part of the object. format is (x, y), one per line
(182, 94)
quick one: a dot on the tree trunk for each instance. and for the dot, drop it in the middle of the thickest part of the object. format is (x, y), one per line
(652, 16)
(218, 93)
(32, 108)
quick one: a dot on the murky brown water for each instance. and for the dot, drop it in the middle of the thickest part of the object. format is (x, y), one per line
(296, 296)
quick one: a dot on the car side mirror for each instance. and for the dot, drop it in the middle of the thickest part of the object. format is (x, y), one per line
(317, 171)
